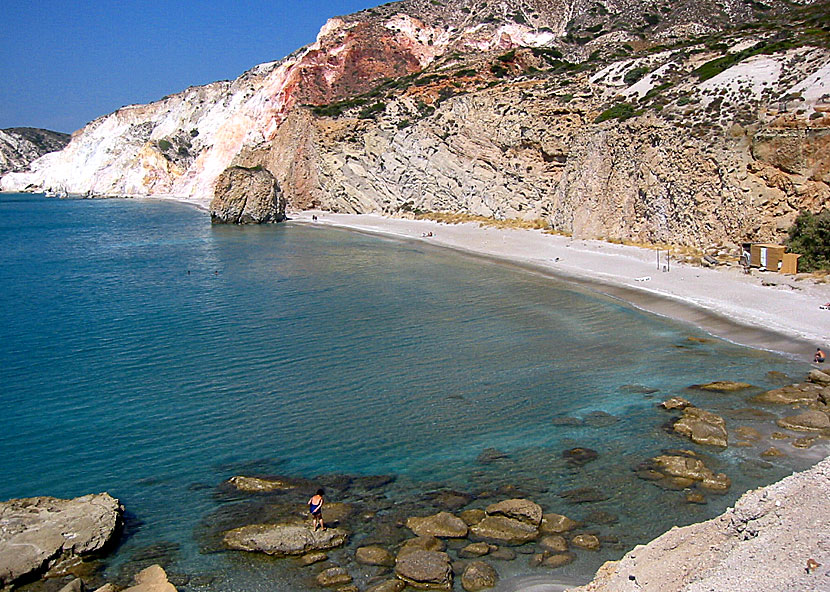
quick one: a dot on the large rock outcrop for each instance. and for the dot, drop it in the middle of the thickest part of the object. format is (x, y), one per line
(246, 196)
(774, 538)
(38, 533)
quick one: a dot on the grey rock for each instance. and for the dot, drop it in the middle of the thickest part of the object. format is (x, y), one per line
(425, 570)
(19, 146)
(37, 533)
(283, 539)
(502, 529)
(518, 509)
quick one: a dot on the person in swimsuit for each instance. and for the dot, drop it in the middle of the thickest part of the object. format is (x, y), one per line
(315, 508)
(819, 358)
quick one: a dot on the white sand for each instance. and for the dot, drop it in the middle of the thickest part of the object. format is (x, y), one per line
(782, 317)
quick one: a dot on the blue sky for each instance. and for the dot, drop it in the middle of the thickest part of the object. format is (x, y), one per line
(63, 64)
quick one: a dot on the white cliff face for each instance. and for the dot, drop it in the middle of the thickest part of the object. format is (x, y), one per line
(179, 145)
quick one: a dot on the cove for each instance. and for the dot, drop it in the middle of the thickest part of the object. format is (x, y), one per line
(148, 354)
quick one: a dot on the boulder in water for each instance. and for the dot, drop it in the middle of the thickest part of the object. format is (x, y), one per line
(425, 570)
(442, 524)
(283, 539)
(502, 529)
(518, 509)
(808, 421)
(478, 575)
(556, 524)
(702, 427)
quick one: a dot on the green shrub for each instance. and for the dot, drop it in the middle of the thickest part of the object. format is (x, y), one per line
(634, 75)
(620, 112)
(370, 111)
(165, 145)
(498, 70)
(810, 236)
(652, 19)
(508, 57)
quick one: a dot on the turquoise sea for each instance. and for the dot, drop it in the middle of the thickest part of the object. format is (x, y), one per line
(151, 355)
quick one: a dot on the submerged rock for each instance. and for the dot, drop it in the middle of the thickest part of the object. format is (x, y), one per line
(580, 456)
(37, 533)
(479, 575)
(421, 543)
(259, 484)
(723, 386)
(582, 495)
(442, 524)
(374, 555)
(333, 576)
(283, 539)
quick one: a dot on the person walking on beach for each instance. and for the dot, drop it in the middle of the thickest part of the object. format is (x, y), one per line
(315, 508)
(819, 357)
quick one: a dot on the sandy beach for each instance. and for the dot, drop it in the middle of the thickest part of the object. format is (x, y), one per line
(765, 310)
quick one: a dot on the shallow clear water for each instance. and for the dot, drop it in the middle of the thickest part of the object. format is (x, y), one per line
(148, 354)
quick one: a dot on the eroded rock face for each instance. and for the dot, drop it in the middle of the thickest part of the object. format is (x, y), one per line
(37, 533)
(425, 570)
(247, 196)
(283, 539)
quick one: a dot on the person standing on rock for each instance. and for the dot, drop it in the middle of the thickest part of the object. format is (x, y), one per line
(315, 508)
(819, 357)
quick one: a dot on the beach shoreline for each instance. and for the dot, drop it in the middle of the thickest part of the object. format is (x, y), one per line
(763, 310)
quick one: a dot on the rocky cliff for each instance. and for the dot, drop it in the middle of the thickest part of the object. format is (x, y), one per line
(686, 123)
(20, 146)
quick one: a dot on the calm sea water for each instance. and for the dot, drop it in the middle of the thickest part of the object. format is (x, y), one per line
(148, 354)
